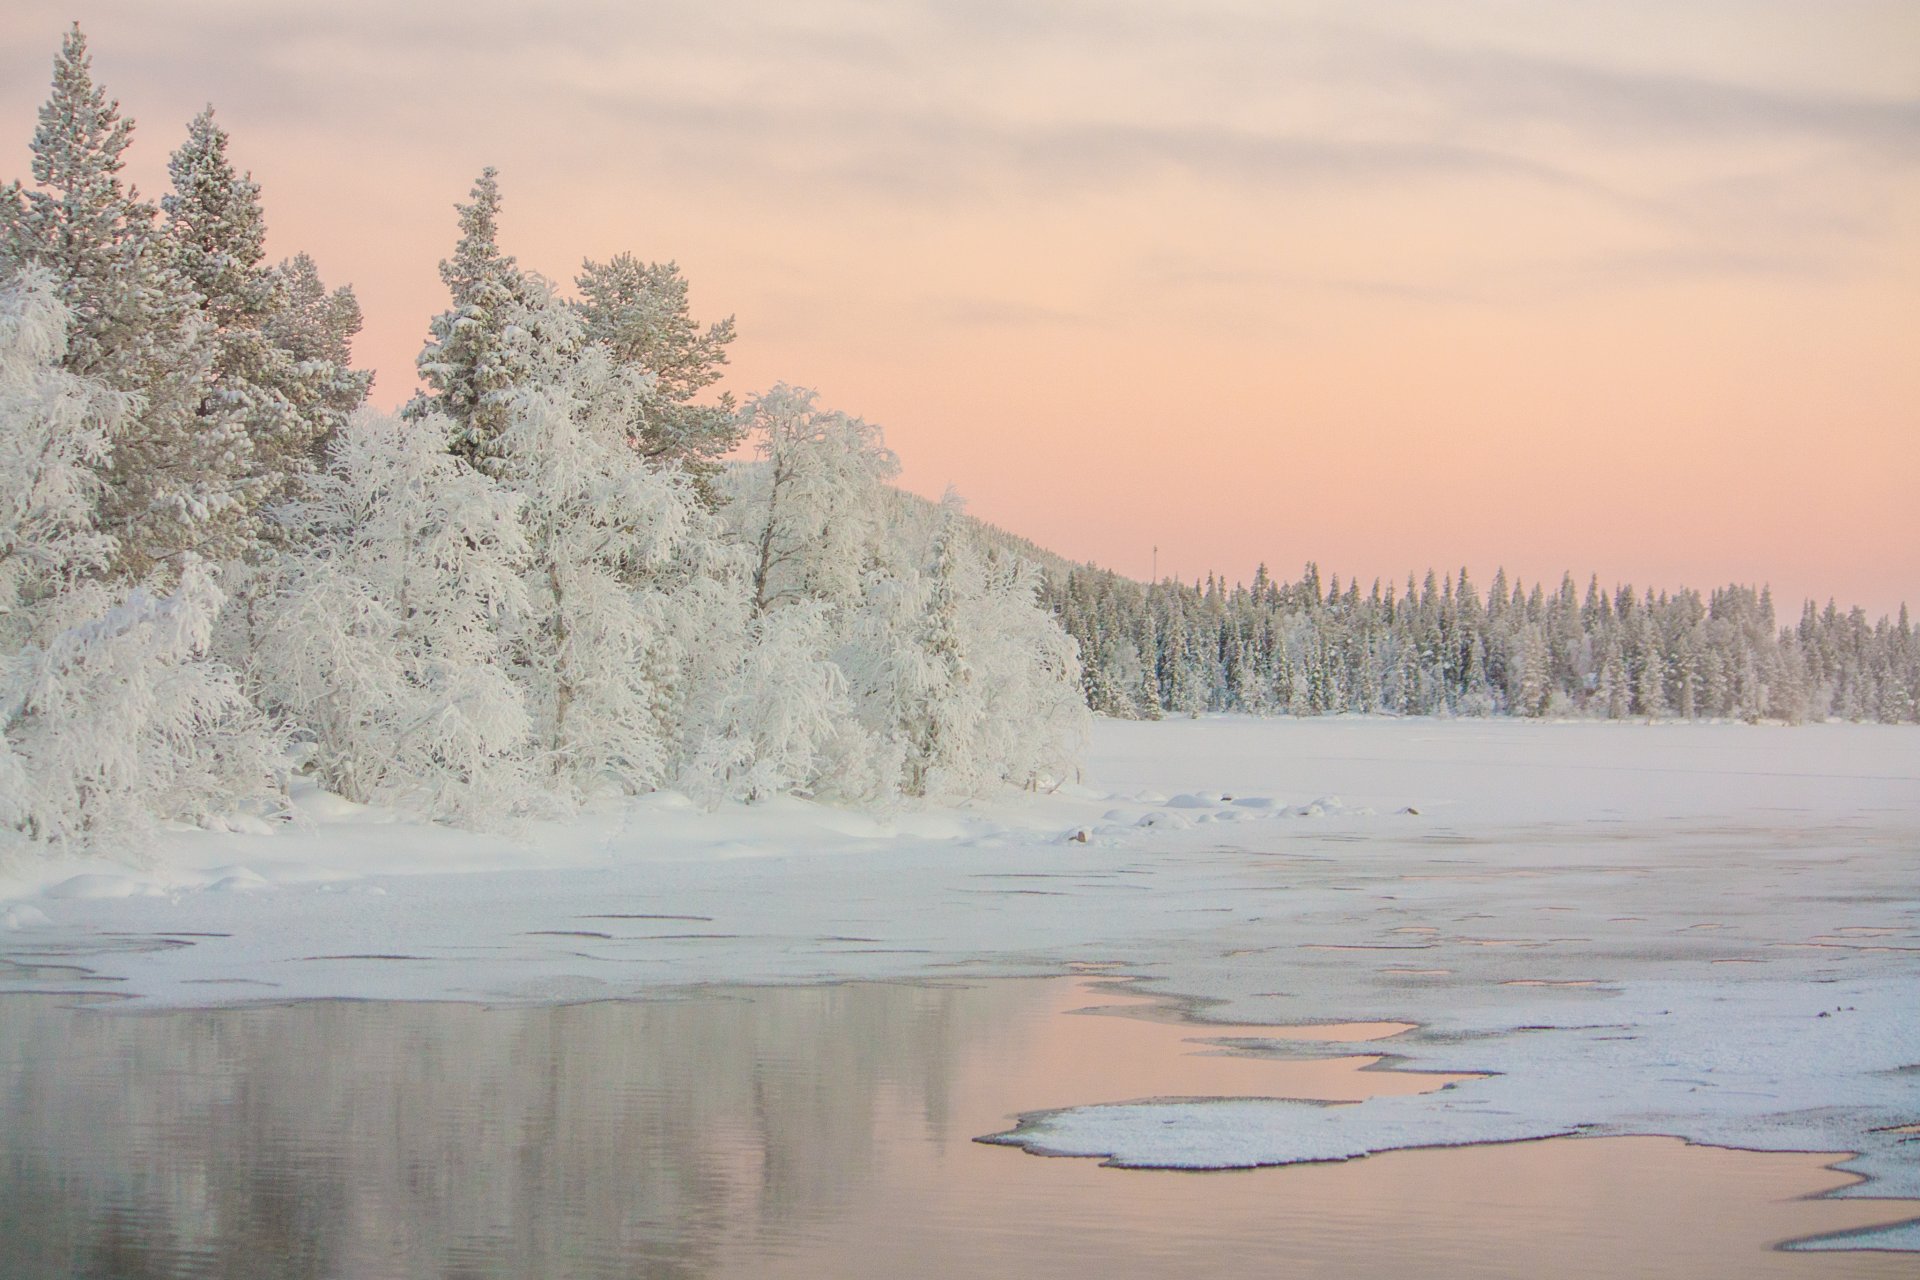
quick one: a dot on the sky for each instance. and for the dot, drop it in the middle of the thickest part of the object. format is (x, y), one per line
(1631, 288)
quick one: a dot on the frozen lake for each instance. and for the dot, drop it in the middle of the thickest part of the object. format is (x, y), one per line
(1709, 932)
(794, 1131)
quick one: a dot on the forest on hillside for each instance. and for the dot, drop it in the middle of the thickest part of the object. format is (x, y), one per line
(1439, 647)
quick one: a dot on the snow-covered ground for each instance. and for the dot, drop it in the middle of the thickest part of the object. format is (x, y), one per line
(1711, 931)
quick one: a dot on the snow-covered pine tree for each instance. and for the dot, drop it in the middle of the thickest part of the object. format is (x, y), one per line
(467, 363)
(639, 310)
(280, 362)
(315, 326)
(218, 230)
(176, 484)
(382, 633)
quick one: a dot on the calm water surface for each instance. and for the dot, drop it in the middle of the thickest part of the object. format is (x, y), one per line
(821, 1131)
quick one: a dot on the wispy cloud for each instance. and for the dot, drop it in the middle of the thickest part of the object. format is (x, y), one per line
(1492, 218)
(1006, 313)
(927, 100)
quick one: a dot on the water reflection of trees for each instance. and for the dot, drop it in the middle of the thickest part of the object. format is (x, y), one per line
(334, 1138)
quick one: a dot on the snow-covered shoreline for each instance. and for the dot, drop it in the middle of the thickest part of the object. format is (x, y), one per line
(1167, 775)
(1710, 931)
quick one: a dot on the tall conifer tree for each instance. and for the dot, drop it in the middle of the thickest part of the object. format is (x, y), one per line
(281, 368)
(177, 483)
(468, 363)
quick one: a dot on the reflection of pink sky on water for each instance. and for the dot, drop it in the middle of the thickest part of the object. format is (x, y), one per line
(941, 1205)
(1088, 1049)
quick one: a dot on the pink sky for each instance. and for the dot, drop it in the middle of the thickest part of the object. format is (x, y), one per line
(1627, 288)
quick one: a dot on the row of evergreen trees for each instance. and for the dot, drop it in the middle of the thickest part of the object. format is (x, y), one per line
(1439, 648)
(537, 584)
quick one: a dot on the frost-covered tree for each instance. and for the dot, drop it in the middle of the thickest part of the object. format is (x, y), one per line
(316, 326)
(123, 718)
(780, 719)
(1527, 673)
(176, 483)
(639, 311)
(110, 712)
(939, 715)
(77, 221)
(811, 512)
(469, 364)
(1033, 724)
(956, 669)
(383, 635)
(280, 365)
(217, 227)
(56, 430)
(612, 544)
(823, 570)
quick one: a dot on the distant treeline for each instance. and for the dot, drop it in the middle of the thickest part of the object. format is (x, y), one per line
(1439, 647)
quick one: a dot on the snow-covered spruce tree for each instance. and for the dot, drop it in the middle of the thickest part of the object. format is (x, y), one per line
(176, 483)
(280, 362)
(615, 555)
(381, 636)
(110, 713)
(639, 311)
(468, 364)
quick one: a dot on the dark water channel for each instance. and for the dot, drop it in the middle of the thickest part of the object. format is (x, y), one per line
(815, 1131)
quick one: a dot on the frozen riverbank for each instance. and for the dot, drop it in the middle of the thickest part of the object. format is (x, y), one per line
(1711, 931)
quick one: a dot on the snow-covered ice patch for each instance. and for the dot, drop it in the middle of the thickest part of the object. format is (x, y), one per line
(1244, 1133)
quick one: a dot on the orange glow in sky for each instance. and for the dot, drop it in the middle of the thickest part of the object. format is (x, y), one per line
(1628, 287)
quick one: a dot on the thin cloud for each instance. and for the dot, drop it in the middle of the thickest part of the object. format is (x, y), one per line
(1005, 313)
